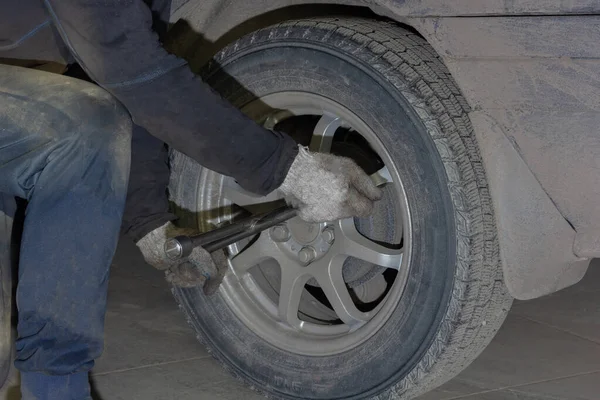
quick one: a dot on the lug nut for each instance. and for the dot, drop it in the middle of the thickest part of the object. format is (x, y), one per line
(307, 254)
(280, 233)
(173, 249)
(328, 235)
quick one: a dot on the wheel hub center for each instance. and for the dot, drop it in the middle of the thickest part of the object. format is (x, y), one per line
(303, 232)
(303, 242)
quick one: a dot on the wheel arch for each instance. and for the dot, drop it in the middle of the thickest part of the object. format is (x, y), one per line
(536, 240)
(218, 23)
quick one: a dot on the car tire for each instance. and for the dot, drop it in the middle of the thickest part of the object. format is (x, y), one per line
(453, 300)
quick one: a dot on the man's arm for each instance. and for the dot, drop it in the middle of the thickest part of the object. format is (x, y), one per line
(114, 42)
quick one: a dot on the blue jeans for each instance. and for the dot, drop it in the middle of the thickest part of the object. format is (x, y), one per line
(65, 148)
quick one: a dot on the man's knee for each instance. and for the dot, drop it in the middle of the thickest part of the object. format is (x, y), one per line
(98, 131)
(58, 106)
(103, 130)
(99, 113)
(66, 126)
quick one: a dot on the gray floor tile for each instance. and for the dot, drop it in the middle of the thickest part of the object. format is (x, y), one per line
(184, 380)
(583, 387)
(451, 389)
(525, 351)
(437, 394)
(143, 323)
(232, 390)
(508, 394)
(575, 309)
(11, 390)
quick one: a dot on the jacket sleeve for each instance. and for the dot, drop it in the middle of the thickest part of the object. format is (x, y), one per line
(114, 42)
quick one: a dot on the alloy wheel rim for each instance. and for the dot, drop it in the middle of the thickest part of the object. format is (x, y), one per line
(273, 313)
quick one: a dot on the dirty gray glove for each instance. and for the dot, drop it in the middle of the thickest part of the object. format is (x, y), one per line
(198, 269)
(324, 187)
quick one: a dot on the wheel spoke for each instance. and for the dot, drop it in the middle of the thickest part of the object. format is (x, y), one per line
(382, 177)
(292, 285)
(331, 281)
(238, 195)
(354, 244)
(262, 249)
(323, 133)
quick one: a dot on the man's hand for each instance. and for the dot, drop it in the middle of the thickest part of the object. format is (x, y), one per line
(324, 187)
(198, 269)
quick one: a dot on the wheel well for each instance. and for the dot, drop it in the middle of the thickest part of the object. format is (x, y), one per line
(188, 36)
(300, 11)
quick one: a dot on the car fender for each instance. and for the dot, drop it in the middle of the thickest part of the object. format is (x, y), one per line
(536, 241)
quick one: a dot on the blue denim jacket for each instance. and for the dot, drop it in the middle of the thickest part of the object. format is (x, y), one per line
(114, 42)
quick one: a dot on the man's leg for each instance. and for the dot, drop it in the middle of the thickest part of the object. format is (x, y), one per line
(147, 219)
(147, 205)
(65, 147)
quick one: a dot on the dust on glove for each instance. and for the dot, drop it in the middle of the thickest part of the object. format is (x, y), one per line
(195, 270)
(324, 187)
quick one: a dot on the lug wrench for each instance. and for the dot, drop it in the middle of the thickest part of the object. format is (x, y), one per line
(180, 247)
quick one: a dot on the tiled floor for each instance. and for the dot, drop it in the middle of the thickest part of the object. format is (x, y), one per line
(548, 348)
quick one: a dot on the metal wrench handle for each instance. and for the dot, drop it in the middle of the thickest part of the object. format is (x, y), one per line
(182, 246)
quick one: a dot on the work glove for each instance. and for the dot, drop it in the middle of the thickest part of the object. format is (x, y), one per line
(324, 187)
(200, 268)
